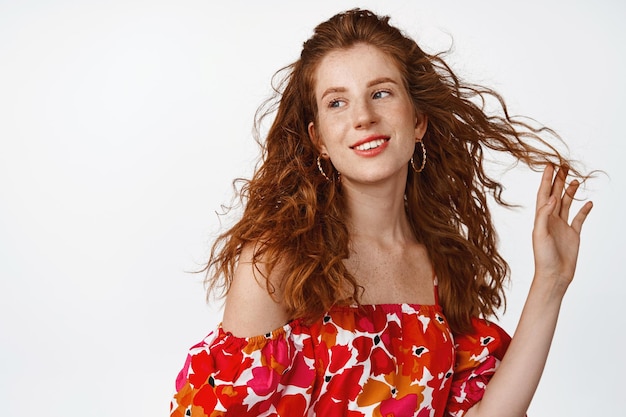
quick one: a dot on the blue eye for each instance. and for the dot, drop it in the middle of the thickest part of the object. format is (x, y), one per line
(336, 103)
(381, 94)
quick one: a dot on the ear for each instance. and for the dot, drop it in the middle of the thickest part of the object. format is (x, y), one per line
(313, 135)
(421, 124)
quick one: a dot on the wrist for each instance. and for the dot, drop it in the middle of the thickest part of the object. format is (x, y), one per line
(548, 288)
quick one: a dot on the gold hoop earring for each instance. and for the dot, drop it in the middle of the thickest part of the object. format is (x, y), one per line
(423, 164)
(319, 166)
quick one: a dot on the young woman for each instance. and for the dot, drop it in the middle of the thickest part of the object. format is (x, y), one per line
(361, 275)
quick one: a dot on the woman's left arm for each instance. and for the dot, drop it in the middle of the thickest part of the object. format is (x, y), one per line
(555, 246)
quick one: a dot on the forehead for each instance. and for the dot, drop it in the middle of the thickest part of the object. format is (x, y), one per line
(351, 67)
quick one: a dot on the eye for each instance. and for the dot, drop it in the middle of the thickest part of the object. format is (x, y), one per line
(381, 94)
(336, 102)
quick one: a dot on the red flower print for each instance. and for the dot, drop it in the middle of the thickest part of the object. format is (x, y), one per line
(371, 323)
(229, 395)
(228, 361)
(376, 359)
(394, 407)
(339, 356)
(391, 335)
(275, 353)
(301, 373)
(346, 384)
(381, 362)
(363, 346)
(205, 398)
(202, 367)
(329, 334)
(264, 380)
(342, 388)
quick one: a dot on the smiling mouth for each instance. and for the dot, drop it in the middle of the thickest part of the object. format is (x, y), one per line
(370, 145)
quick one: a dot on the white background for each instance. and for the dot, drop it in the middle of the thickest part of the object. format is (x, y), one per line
(123, 123)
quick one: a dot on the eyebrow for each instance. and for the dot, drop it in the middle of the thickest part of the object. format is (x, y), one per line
(381, 80)
(372, 83)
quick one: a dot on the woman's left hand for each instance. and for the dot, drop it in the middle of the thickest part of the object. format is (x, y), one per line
(555, 244)
(555, 240)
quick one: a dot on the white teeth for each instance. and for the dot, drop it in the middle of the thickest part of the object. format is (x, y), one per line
(370, 145)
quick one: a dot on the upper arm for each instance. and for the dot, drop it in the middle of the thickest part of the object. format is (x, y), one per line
(249, 309)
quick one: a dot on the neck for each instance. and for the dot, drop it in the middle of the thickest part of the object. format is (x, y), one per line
(377, 211)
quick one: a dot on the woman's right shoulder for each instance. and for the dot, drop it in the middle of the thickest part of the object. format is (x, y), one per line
(249, 308)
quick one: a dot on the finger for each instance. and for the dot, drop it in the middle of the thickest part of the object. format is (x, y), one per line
(545, 187)
(542, 216)
(559, 185)
(581, 216)
(568, 197)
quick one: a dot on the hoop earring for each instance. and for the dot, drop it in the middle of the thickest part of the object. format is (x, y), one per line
(423, 164)
(319, 166)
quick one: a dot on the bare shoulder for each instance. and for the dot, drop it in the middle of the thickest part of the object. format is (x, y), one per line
(249, 309)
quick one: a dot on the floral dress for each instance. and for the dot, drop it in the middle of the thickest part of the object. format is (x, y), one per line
(387, 360)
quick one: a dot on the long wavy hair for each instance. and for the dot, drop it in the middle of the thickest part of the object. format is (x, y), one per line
(295, 218)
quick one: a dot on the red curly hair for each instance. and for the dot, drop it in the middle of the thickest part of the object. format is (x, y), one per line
(295, 217)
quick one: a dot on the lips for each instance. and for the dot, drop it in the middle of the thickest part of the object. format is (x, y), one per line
(370, 145)
(371, 142)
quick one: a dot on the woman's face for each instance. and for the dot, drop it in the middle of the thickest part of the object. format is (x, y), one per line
(366, 122)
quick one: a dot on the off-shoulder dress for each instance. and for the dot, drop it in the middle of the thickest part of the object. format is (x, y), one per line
(387, 360)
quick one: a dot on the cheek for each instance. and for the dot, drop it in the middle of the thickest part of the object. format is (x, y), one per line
(329, 128)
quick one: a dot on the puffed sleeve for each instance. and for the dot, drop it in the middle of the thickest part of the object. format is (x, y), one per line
(478, 354)
(225, 375)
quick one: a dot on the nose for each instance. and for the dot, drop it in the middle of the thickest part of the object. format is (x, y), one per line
(364, 114)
